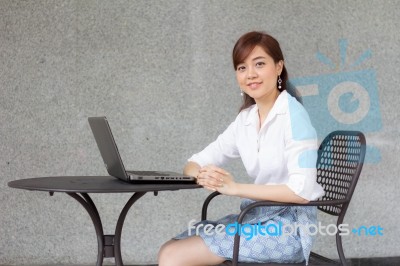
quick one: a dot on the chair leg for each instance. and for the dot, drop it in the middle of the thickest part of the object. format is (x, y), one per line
(340, 249)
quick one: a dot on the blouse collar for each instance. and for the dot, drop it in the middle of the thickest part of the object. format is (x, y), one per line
(280, 107)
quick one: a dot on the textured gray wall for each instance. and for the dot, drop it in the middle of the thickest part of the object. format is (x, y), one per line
(161, 72)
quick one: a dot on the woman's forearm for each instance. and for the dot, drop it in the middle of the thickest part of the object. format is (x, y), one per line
(191, 169)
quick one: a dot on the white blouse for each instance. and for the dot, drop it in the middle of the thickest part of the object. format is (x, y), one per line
(283, 151)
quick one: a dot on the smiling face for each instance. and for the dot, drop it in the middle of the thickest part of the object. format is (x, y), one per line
(257, 75)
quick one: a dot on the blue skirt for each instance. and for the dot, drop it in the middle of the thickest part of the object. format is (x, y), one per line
(267, 234)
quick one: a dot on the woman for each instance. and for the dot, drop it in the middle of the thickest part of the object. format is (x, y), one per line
(275, 140)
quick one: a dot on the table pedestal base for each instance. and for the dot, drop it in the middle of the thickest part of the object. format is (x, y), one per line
(109, 246)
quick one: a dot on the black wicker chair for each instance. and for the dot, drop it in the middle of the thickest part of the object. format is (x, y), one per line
(340, 160)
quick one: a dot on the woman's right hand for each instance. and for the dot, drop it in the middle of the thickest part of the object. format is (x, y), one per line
(211, 177)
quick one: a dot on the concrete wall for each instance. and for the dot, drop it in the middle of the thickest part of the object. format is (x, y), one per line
(161, 72)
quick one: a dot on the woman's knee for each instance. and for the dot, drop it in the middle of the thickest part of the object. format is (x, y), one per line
(186, 252)
(166, 255)
(177, 253)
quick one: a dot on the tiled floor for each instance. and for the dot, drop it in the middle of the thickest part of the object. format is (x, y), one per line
(391, 261)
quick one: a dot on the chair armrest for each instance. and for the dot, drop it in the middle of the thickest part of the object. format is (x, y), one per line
(205, 204)
(274, 203)
(268, 203)
(243, 213)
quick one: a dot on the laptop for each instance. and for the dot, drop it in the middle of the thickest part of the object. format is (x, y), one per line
(113, 162)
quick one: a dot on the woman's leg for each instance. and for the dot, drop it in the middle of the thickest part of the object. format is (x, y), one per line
(191, 251)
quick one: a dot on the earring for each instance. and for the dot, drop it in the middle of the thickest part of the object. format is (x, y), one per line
(279, 82)
(241, 93)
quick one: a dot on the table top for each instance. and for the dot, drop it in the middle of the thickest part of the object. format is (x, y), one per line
(91, 184)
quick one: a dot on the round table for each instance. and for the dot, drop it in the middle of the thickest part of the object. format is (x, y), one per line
(79, 187)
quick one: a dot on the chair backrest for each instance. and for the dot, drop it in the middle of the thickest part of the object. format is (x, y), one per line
(340, 160)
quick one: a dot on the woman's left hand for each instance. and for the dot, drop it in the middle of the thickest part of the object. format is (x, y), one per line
(217, 179)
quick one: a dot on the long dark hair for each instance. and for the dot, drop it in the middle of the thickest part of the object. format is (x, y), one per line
(245, 45)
